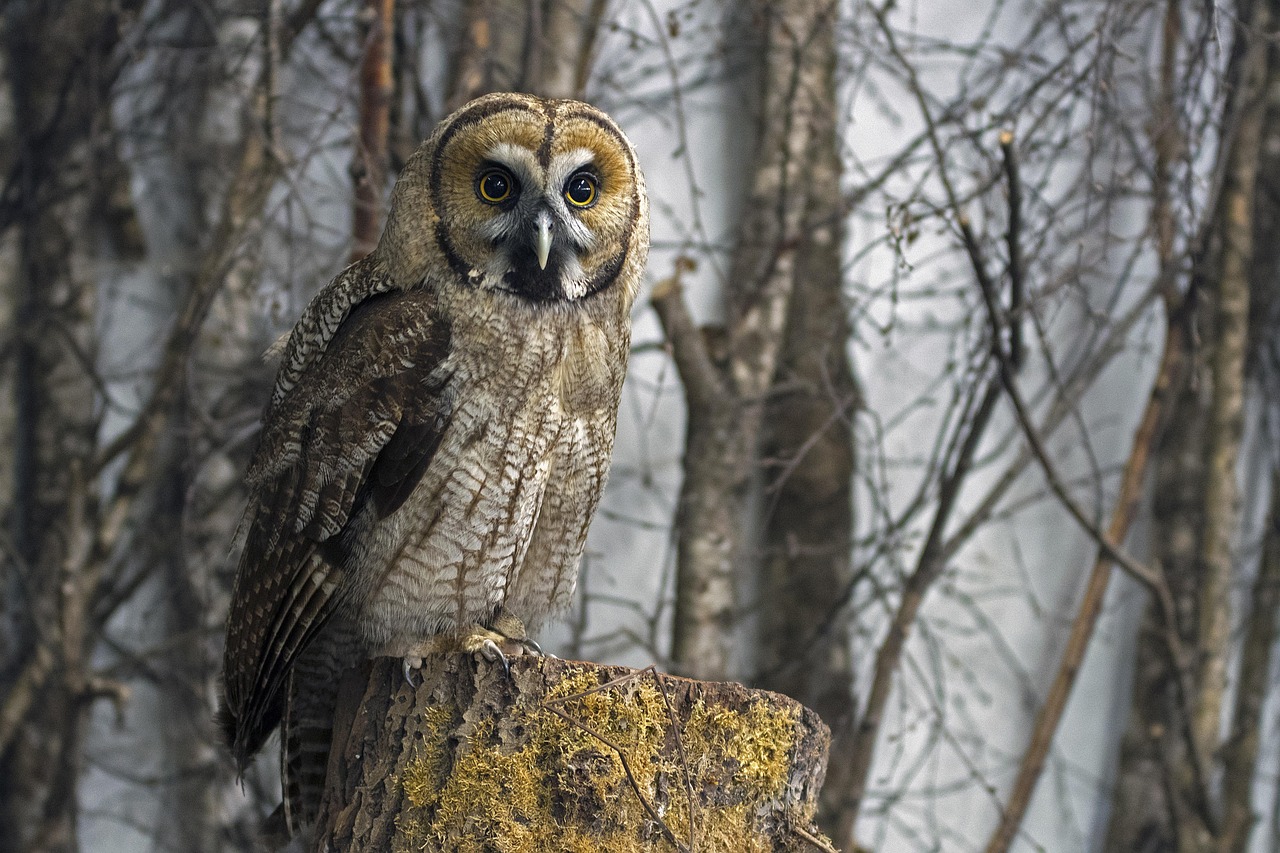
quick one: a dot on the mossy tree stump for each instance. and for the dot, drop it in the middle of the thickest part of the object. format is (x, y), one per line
(567, 756)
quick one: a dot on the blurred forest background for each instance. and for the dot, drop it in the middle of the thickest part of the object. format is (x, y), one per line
(953, 412)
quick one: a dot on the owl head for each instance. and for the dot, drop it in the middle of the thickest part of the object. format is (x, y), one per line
(542, 200)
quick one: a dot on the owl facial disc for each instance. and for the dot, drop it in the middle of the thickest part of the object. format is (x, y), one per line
(535, 199)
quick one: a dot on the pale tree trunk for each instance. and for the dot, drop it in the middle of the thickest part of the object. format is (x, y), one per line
(727, 392)
(1240, 752)
(1145, 798)
(1253, 679)
(1145, 795)
(808, 467)
(570, 30)
(1161, 801)
(1225, 422)
(1229, 296)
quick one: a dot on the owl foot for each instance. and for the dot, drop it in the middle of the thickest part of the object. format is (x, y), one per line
(486, 648)
(492, 645)
(412, 656)
(492, 652)
(411, 664)
(514, 633)
(506, 637)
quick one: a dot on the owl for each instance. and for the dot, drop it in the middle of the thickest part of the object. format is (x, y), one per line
(441, 425)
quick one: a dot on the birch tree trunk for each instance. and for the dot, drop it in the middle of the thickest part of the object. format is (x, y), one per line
(727, 397)
(1225, 419)
(1161, 799)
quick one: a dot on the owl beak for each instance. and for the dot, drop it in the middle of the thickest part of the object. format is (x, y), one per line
(542, 243)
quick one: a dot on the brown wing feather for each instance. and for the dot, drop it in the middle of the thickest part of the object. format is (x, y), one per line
(360, 425)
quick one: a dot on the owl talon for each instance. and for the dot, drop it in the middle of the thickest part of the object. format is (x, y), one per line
(410, 664)
(515, 638)
(492, 653)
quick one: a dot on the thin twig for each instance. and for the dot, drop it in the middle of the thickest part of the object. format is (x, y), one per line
(626, 767)
(684, 761)
(1017, 284)
(816, 841)
(1050, 714)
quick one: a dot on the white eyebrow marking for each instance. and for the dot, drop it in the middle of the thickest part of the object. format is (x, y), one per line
(565, 164)
(521, 161)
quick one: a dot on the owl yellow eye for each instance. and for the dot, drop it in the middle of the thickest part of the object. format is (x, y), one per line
(581, 190)
(495, 186)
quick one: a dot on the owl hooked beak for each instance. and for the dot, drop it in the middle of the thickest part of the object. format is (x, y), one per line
(542, 239)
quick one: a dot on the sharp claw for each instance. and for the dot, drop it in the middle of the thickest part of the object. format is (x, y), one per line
(493, 654)
(532, 646)
(409, 665)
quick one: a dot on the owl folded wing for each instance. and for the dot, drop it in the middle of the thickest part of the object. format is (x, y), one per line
(355, 432)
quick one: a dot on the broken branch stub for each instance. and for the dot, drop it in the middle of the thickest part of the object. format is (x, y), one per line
(566, 755)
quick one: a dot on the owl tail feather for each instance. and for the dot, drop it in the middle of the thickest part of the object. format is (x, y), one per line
(306, 731)
(229, 724)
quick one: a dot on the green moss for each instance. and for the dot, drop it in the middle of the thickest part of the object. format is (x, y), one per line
(518, 783)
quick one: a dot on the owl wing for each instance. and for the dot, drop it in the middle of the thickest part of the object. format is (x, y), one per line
(324, 317)
(357, 429)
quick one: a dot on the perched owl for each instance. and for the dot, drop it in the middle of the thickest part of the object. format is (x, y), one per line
(442, 422)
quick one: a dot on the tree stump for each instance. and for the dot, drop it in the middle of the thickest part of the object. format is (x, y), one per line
(567, 756)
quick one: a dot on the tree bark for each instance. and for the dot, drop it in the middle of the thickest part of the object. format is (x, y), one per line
(1143, 803)
(1240, 753)
(1145, 795)
(808, 461)
(1225, 422)
(568, 756)
(543, 47)
(369, 163)
(61, 68)
(1161, 800)
(726, 404)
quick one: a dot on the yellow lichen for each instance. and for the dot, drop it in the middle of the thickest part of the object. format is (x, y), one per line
(759, 741)
(421, 779)
(534, 778)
